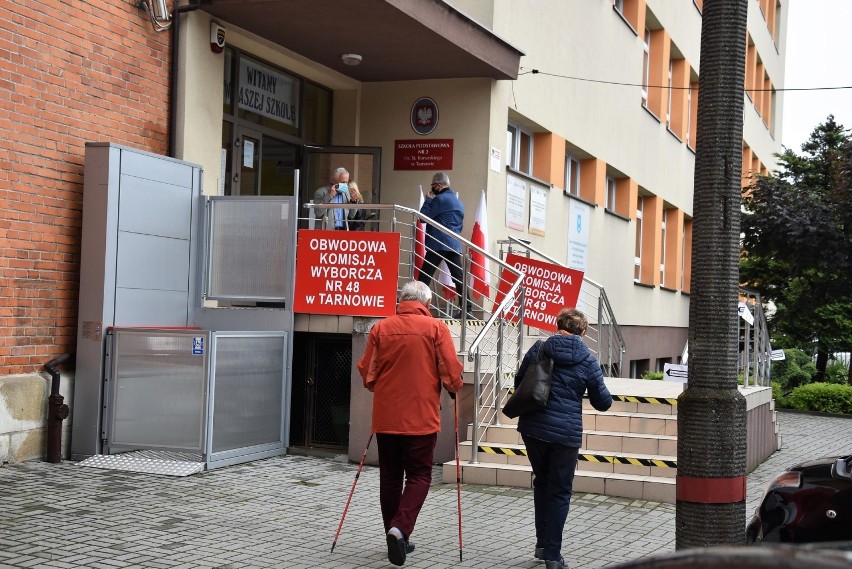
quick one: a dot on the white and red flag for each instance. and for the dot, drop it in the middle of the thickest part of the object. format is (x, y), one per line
(419, 240)
(480, 274)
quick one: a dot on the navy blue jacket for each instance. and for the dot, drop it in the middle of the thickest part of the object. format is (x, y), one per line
(446, 209)
(575, 371)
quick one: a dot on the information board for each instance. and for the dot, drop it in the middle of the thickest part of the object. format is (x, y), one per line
(548, 288)
(346, 273)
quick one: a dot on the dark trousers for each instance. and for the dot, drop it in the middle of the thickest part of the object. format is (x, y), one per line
(553, 465)
(432, 261)
(408, 458)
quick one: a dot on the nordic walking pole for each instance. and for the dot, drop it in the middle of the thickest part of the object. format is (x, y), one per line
(352, 491)
(458, 475)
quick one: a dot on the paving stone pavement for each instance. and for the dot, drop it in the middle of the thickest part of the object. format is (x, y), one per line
(283, 512)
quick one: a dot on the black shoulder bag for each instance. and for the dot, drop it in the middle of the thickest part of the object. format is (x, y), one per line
(534, 389)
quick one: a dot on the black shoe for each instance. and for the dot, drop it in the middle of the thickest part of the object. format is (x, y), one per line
(560, 564)
(539, 552)
(457, 315)
(396, 547)
(409, 546)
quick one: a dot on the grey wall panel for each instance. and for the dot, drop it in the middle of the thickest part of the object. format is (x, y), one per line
(154, 207)
(160, 169)
(143, 282)
(151, 262)
(139, 307)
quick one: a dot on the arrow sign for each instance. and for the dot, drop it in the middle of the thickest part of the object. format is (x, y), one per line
(675, 372)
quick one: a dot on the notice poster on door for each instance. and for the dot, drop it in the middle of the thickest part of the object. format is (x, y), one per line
(346, 274)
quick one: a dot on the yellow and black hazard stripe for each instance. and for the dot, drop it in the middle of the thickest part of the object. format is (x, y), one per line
(640, 399)
(508, 451)
(602, 458)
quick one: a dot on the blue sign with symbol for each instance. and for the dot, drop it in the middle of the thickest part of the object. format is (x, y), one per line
(197, 345)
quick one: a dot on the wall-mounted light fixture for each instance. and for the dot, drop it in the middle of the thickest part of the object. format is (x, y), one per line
(351, 59)
(158, 11)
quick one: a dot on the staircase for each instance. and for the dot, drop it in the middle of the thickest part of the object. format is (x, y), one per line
(628, 451)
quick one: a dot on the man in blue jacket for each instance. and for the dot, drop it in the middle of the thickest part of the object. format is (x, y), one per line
(443, 205)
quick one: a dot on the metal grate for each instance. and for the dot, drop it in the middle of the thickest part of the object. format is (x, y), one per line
(149, 462)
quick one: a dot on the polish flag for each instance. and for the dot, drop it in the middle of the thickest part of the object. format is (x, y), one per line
(419, 240)
(480, 275)
(447, 284)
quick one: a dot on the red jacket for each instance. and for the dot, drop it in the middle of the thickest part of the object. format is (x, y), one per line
(408, 358)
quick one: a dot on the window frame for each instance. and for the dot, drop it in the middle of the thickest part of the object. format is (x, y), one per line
(515, 134)
(611, 194)
(637, 252)
(646, 66)
(572, 175)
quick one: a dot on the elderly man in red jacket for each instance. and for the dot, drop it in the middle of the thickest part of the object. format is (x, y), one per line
(409, 356)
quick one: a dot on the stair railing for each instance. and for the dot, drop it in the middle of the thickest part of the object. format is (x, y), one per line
(496, 328)
(754, 358)
(604, 336)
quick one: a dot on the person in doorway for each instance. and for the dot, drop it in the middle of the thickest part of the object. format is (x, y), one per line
(356, 217)
(408, 357)
(336, 191)
(553, 435)
(443, 205)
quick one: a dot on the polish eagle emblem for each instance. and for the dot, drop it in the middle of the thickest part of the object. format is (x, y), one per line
(424, 115)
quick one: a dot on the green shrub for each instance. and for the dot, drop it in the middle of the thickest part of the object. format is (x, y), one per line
(825, 397)
(658, 375)
(797, 368)
(778, 395)
(836, 372)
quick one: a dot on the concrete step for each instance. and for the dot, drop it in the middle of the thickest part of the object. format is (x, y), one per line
(651, 488)
(664, 466)
(630, 443)
(644, 423)
(638, 404)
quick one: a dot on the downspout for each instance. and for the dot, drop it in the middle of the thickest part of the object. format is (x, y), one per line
(173, 71)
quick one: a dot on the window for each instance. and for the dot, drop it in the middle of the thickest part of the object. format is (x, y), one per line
(663, 247)
(637, 260)
(572, 175)
(519, 148)
(669, 105)
(683, 258)
(639, 367)
(610, 194)
(689, 114)
(646, 66)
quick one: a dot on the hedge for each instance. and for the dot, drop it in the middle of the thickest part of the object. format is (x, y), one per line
(825, 397)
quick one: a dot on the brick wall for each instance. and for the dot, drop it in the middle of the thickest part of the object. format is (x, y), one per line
(71, 72)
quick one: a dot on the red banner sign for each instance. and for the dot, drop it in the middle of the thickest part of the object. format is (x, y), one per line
(346, 273)
(420, 154)
(548, 288)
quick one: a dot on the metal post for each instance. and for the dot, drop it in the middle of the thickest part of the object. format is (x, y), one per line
(474, 447)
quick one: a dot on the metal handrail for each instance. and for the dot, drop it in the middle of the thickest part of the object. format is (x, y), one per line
(605, 313)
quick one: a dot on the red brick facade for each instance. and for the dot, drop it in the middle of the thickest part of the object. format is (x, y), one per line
(71, 72)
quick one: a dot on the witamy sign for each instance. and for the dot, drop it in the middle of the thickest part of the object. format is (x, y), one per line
(548, 288)
(268, 92)
(347, 274)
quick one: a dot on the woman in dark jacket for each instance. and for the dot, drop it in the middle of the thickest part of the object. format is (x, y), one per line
(554, 434)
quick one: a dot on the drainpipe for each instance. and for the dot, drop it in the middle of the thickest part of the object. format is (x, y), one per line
(57, 411)
(173, 70)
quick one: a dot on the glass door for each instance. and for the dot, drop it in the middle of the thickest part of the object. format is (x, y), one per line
(263, 165)
(364, 164)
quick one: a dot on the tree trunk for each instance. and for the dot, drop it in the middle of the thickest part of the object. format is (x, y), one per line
(711, 446)
(821, 364)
